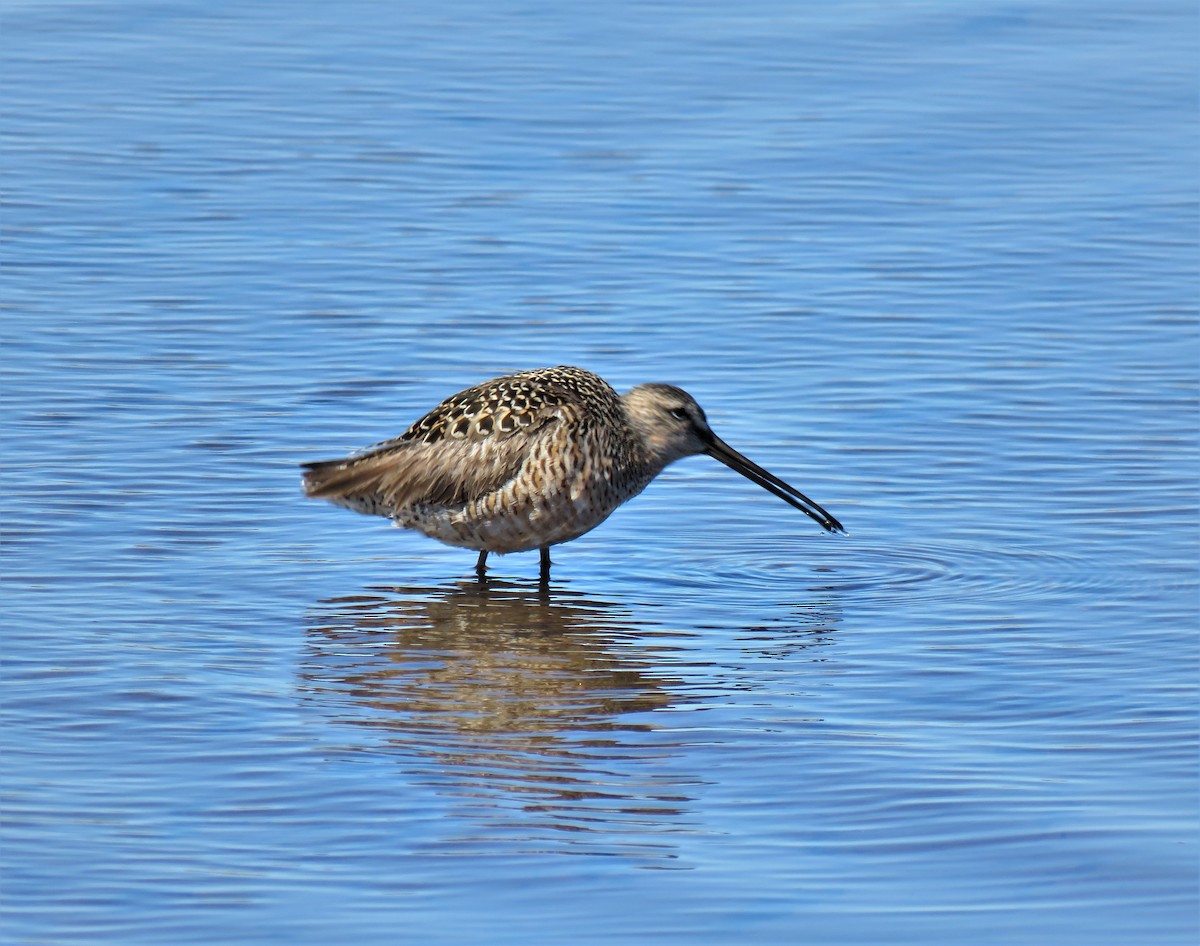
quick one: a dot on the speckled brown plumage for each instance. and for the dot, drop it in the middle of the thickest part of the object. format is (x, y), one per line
(530, 460)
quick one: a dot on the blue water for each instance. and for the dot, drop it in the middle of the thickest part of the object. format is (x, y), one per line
(934, 263)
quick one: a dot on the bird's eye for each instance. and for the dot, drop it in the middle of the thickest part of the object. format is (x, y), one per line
(678, 413)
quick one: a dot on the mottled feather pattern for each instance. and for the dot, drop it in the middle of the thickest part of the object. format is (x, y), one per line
(518, 403)
(473, 454)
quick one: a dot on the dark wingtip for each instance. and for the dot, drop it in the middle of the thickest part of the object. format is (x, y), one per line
(318, 478)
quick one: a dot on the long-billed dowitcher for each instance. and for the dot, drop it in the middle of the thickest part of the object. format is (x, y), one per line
(531, 460)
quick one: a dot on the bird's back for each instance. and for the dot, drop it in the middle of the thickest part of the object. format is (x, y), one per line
(472, 444)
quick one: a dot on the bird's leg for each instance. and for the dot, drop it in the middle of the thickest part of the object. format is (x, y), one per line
(544, 570)
(481, 563)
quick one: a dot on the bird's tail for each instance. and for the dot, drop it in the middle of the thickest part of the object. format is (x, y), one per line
(324, 478)
(355, 483)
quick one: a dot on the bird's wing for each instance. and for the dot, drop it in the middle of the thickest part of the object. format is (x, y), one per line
(468, 446)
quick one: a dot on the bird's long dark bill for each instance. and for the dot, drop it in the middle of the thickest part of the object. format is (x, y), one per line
(773, 484)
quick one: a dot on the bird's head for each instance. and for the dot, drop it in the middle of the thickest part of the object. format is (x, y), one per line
(668, 421)
(671, 425)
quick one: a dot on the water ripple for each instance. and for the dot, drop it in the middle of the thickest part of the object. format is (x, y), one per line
(932, 572)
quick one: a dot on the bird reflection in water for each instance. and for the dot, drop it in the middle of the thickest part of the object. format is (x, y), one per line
(528, 705)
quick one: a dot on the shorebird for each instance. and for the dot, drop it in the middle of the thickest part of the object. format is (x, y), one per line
(531, 460)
